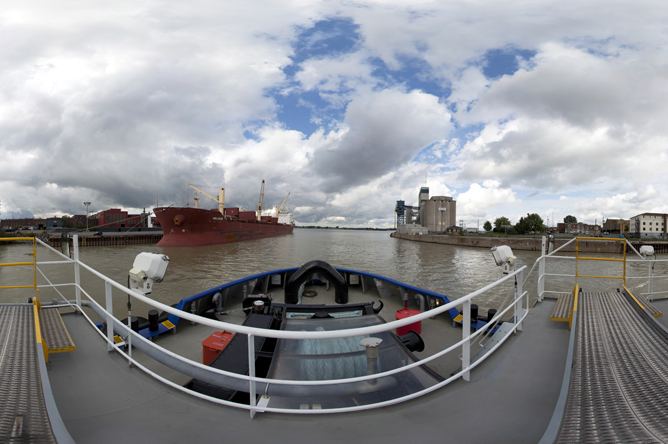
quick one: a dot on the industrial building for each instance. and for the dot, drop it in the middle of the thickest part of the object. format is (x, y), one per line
(616, 226)
(436, 214)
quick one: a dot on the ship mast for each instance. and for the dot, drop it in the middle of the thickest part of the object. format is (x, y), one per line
(220, 200)
(260, 202)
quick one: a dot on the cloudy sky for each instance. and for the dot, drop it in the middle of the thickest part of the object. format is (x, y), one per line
(510, 107)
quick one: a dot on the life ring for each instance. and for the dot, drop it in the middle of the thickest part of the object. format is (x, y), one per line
(304, 274)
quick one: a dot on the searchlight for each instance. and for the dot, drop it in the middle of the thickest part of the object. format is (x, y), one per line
(503, 255)
(647, 251)
(147, 269)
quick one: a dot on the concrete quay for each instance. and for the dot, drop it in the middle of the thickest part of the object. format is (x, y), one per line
(528, 243)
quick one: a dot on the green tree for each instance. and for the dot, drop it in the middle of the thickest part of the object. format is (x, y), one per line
(570, 219)
(499, 224)
(66, 222)
(487, 226)
(532, 223)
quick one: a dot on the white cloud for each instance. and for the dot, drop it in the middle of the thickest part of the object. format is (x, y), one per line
(119, 103)
(383, 131)
(482, 201)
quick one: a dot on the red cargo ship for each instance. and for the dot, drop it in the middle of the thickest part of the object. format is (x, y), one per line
(189, 227)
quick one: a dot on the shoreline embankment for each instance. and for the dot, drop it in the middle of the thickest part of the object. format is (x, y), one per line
(530, 243)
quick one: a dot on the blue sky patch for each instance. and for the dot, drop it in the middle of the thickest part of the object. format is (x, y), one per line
(500, 62)
(326, 38)
(306, 111)
(415, 73)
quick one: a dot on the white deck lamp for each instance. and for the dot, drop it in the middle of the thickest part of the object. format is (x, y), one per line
(147, 269)
(503, 255)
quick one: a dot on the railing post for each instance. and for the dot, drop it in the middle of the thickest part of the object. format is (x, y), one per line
(518, 299)
(650, 284)
(77, 270)
(466, 345)
(251, 373)
(541, 277)
(129, 340)
(110, 315)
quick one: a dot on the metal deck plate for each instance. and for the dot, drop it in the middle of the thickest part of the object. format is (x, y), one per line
(651, 309)
(23, 416)
(54, 332)
(562, 310)
(619, 387)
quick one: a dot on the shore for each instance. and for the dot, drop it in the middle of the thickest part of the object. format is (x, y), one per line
(530, 243)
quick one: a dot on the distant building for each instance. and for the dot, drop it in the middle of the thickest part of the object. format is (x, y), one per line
(23, 224)
(114, 218)
(437, 214)
(411, 229)
(54, 222)
(579, 228)
(79, 220)
(616, 226)
(117, 218)
(651, 225)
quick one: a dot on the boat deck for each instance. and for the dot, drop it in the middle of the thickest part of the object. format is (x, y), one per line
(101, 399)
(619, 387)
(618, 391)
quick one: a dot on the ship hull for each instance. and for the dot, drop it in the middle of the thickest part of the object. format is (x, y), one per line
(189, 227)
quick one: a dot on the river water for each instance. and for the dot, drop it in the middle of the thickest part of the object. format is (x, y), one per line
(451, 270)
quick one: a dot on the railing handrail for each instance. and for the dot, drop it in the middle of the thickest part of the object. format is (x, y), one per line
(34, 241)
(282, 334)
(626, 260)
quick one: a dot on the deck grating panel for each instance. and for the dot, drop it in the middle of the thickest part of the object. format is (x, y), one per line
(564, 306)
(20, 384)
(53, 330)
(651, 309)
(619, 384)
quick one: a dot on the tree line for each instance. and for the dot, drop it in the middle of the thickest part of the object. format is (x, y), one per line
(532, 223)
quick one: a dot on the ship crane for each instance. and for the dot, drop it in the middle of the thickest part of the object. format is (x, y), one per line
(220, 199)
(260, 202)
(278, 210)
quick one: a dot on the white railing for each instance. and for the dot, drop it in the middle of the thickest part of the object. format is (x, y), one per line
(628, 264)
(253, 381)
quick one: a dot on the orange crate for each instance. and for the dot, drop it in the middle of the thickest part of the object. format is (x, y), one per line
(214, 344)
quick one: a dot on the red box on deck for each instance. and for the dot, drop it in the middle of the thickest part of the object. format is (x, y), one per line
(214, 344)
(405, 313)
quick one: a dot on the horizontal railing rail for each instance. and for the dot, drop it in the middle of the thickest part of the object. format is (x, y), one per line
(32, 264)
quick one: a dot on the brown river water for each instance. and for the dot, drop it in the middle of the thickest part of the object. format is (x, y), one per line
(450, 270)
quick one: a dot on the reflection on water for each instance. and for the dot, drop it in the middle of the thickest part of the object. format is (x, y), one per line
(454, 271)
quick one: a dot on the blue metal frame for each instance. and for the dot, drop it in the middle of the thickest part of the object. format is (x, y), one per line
(453, 311)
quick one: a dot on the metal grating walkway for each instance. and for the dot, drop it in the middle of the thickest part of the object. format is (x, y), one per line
(23, 416)
(54, 332)
(619, 384)
(563, 307)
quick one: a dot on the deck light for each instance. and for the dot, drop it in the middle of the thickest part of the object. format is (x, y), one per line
(147, 269)
(503, 255)
(647, 251)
